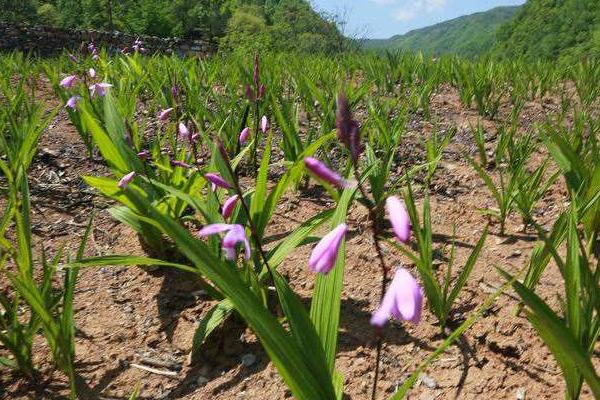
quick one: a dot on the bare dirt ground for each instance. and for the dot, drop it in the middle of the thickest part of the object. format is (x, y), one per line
(130, 316)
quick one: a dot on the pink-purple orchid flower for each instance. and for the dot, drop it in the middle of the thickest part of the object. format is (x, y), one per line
(235, 234)
(126, 180)
(229, 206)
(321, 171)
(244, 134)
(72, 102)
(163, 115)
(399, 218)
(99, 88)
(403, 300)
(264, 124)
(68, 81)
(216, 180)
(323, 256)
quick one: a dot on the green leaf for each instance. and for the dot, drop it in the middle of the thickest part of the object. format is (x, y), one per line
(125, 260)
(212, 320)
(260, 191)
(325, 307)
(302, 328)
(557, 336)
(297, 237)
(466, 271)
(287, 357)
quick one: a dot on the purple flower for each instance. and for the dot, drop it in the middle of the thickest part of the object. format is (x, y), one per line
(92, 73)
(229, 206)
(249, 93)
(216, 180)
(264, 124)
(72, 102)
(322, 172)
(174, 91)
(73, 58)
(184, 132)
(99, 88)
(323, 256)
(68, 81)
(163, 115)
(138, 45)
(244, 135)
(144, 155)
(126, 180)
(403, 300)
(177, 163)
(348, 131)
(235, 234)
(399, 218)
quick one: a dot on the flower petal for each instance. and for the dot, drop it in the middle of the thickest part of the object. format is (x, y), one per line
(126, 180)
(322, 172)
(213, 229)
(217, 180)
(323, 256)
(229, 206)
(408, 296)
(399, 218)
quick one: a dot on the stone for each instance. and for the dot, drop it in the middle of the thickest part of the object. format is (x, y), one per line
(428, 381)
(248, 360)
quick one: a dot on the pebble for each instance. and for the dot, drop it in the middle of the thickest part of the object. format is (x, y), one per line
(428, 381)
(248, 359)
(521, 393)
(516, 253)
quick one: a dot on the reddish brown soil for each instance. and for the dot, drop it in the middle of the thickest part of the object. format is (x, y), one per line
(123, 314)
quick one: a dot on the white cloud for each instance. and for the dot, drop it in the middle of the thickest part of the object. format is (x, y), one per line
(410, 11)
(404, 14)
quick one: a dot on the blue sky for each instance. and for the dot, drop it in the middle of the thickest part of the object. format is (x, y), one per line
(385, 18)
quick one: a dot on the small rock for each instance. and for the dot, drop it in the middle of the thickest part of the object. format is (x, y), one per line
(516, 253)
(428, 381)
(521, 393)
(248, 359)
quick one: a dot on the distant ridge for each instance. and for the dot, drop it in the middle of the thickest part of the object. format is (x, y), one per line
(469, 35)
(567, 30)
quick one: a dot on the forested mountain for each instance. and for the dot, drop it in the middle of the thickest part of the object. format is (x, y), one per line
(553, 29)
(469, 35)
(290, 25)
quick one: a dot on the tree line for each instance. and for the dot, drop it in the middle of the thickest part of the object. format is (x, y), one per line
(285, 25)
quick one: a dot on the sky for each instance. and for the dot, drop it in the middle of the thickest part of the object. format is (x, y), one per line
(386, 18)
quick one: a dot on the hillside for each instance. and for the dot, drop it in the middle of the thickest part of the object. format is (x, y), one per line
(553, 29)
(469, 35)
(255, 25)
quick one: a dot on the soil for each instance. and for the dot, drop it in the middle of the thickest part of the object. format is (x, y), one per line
(127, 317)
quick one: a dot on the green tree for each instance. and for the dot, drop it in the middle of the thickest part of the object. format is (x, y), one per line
(18, 10)
(47, 14)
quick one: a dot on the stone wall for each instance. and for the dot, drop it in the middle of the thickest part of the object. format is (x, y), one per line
(45, 41)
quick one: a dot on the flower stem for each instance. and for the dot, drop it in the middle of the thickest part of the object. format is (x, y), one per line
(253, 232)
(255, 146)
(372, 211)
